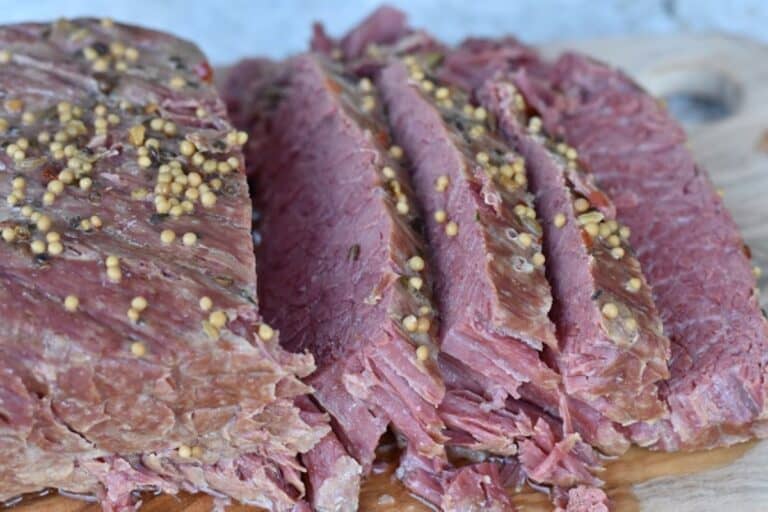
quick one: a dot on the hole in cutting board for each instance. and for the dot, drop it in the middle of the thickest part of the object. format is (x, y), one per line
(697, 96)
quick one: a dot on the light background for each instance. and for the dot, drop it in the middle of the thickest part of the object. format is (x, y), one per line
(230, 29)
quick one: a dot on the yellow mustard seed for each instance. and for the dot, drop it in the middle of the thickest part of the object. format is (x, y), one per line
(133, 315)
(71, 303)
(266, 332)
(189, 239)
(525, 239)
(610, 310)
(9, 234)
(138, 349)
(218, 319)
(55, 248)
(416, 263)
(581, 205)
(206, 303)
(167, 236)
(208, 199)
(410, 323)
(634, 284)
(37, 247)
(185, 451)
(139, 303)
(114, 274)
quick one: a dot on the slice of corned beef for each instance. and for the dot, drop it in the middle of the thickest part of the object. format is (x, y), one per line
(339, 230)
(128, 346)
(493, 294)
(251, 90)
(612, 353)
(688, 244)
(482, 229)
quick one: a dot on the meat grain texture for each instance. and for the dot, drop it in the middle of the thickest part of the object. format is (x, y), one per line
(346, 274)
(707, 387)
(494, 298)
(129, 352)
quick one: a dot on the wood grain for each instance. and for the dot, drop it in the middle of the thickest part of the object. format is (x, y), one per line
(735, 151)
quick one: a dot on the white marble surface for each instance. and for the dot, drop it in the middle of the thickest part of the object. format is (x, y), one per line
(230, 29)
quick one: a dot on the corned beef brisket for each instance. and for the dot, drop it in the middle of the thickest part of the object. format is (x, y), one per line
(453, 235)
(129, 352)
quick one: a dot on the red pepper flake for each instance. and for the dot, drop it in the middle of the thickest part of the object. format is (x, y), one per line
(333, 86)
(598, 199)
(50, 173)
(204, 71)
(588, 242)
(383, 137)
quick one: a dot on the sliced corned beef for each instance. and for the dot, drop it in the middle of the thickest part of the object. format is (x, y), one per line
(483, 418)
(128, 346)
(491, 287)
(251, 90)
(612, 353)
(339, 236)
(685, 239)
(689, 246)
(482, 228)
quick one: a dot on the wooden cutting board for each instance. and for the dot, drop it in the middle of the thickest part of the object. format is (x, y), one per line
(719, 84)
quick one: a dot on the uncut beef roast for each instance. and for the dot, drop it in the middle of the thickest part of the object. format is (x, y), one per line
(345, 271)
(133, 353)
